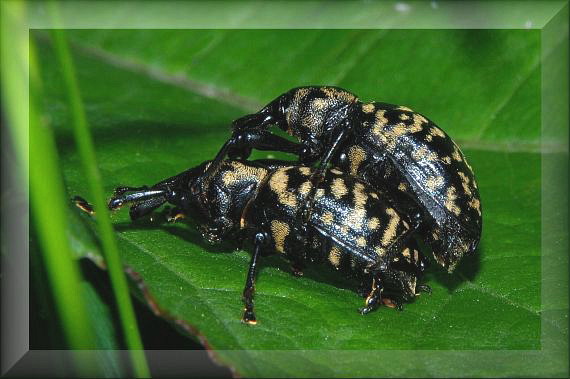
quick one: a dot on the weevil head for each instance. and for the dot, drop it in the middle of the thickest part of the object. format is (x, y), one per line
(307, 113)
(218, 205)
(405, 268)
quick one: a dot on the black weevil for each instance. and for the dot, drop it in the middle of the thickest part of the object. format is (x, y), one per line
(390, 147)
(351, 226)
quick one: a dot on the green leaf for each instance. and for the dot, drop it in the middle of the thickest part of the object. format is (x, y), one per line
(162, 101)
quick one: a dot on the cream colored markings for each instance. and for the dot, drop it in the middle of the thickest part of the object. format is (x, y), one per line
(357, 217)
(380, 251)
(336, 171)
(406, 253)
(380, 122)
(305, 188)
(298, 98)
(356, 155)
(389, 137)
(456, 154)
(465, 183)
(404, 108)
(305, 171)
(278, 183)
(475, 204)
(404, 117)
(320, 193)
(338, 188)
(279, 231)
(403, 187)
(374, 195)
(435, 235)
(334, 256)
(339, 94)
(344, 229)
(419, 121)
(373, 223)
(434, 182)
(361, 242)
(450, 205)
(424, 153)
(446, 160)
(390, 233)
(319, 103)
(241, 172)
(436, 132)
(314, 122)
(368, 108)
(327, 218)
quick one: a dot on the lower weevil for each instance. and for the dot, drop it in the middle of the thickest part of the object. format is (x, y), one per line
(350, 227)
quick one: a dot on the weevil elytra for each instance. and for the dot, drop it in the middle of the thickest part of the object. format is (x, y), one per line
(351, 226)
(390, 147)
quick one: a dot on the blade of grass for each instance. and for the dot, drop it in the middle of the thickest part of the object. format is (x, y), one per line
(92, 175)
(46, 182)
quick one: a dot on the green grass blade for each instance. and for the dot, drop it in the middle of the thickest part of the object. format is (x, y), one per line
(46, 183)
(92, 175)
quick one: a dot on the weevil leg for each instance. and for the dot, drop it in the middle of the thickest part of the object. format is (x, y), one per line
(122, 190)
(423, 288)
(392, 303)
(145, 207)
(374, 297)
(174, 214)
(318, 175)
(297, 269)
(117, 201)
(240, 145)
(249, 315)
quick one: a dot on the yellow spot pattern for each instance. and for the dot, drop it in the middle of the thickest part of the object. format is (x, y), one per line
(338, 188)
(390, 233)
(279, 231)
(305, 188)
(475, 204)
(242, 172)
(334, 256)
(465, 183)
(327, 218)
(368, 108)
(450, 201)
(373, 223)
(434, 182)
(278, 183)
(356, 155)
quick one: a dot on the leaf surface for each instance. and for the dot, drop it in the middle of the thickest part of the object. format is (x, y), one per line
(151, 118)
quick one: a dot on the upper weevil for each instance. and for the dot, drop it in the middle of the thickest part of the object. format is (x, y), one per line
(351, 226)
(390, 147)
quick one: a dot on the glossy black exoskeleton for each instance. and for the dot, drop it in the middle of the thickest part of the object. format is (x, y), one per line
(351, 226)
(390, 147)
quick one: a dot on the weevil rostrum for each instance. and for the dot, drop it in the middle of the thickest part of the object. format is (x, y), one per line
(351, 225)
(390, 147)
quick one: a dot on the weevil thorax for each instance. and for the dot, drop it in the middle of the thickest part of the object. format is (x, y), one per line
(310, 113)
(218, 208)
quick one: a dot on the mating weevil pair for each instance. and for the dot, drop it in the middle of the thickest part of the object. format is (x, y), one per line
(397, 176)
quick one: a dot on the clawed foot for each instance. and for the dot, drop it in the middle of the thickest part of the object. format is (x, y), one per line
(296, 270)
(174, 215)
(249, 317)
(423, 288)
